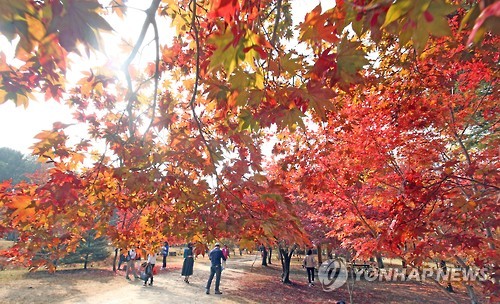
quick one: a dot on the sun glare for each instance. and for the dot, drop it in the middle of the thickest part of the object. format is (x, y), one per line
(40, 115)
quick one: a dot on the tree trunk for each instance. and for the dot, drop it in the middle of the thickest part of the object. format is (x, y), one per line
(329, 249)
(263, 252)
(114, 259)
(442, 264)
(86, 261)
(12, 236)
(270, 255)
(489, 234)
(320, 258)
(380, 262)
(286, 258)
(470, 289)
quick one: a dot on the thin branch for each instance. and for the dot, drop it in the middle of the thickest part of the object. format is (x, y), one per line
(276, 23)
(458, 137)
(157, 75)
(369, 7)
(350, 200)
(150, 17)
(486, 185)
(192, 104)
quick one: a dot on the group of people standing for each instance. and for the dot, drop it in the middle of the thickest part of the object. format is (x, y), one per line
(217, 258)
(133, 256)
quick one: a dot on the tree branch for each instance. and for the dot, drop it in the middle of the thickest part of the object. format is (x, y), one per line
(150, 17)
(192, 105)
(276, 23)
(157, 75)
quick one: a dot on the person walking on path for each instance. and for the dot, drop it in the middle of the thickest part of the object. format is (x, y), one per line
(310, 265)
(215, 256)
(150, 268)
(164, 253)
(225, 252)
(131, 256)
(187, 266)
(122, 259)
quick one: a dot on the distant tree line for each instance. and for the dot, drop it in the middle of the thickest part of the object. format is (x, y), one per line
(16, 166)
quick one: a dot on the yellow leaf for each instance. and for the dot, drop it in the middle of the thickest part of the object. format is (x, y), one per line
(22, 100)
(225, 54)
(259, 81)
(3, 96)
(246, 244)
(397, 10)
(99, 89)
(35, 28)
(290, 65)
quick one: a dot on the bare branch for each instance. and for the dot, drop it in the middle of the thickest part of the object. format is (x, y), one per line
(156, 76)
(150, 18)
(276, 23)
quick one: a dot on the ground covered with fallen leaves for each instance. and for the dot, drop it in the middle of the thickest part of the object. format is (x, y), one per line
(244, 281)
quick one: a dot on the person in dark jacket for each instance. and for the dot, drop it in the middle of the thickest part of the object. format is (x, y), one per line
(122, 259)
(187, 266)
(164, 253)
(216, 257)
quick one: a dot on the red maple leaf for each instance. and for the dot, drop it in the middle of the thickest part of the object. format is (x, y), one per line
(225, 9)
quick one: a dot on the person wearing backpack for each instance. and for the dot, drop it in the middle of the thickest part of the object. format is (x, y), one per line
(130, 259)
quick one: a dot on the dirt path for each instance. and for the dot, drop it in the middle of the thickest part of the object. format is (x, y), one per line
(169, 287)
(241, 283)
(103, 286)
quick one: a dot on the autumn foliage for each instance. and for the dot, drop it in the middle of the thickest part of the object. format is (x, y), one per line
(383, 116)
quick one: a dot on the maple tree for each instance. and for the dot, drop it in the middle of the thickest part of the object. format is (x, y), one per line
(408, 165)
(174, 150)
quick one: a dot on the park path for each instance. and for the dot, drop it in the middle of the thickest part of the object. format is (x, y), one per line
(169, 287)
(241, 283)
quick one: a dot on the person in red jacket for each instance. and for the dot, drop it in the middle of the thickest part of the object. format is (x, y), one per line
(225, 252)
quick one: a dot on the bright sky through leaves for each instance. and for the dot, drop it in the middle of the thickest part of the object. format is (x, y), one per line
(20, 125)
